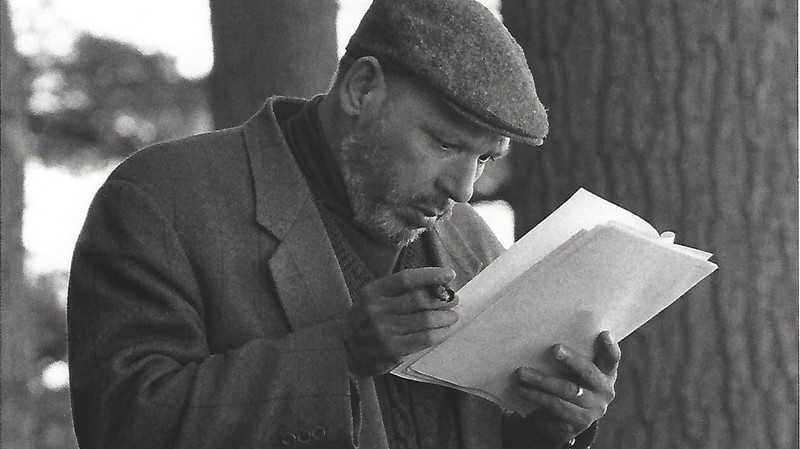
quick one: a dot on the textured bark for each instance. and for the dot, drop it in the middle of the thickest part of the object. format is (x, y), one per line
(18, 342)
(264, 48)
(684, 112)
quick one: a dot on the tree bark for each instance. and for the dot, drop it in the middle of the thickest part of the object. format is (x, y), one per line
(264, 48)
(19, 341)
(684, 112)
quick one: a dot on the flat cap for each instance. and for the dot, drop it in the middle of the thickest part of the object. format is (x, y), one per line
(461, 49)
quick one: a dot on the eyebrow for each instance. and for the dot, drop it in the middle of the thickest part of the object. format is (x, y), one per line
(443, 133)
(504, 149)
(452, 137)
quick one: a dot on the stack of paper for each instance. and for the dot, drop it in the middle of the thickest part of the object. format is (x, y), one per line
(588, 267)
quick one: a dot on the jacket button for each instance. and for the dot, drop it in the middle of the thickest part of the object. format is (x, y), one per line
(318, 432)
(303, 436)
(288, 438)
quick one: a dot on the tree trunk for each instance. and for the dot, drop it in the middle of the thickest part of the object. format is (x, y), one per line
(264, 48)
(684, 112)
(19, 341)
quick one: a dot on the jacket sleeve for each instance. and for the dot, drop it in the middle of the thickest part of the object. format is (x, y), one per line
(518, 434)
(141, 372)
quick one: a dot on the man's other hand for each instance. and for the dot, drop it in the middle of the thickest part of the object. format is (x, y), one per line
(395, 316)
(566, 406)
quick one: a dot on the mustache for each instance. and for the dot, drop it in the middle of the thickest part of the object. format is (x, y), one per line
(442, 207)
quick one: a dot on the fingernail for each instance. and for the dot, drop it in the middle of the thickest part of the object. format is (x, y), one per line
(559, 352)
(527, 373)
(608, 337)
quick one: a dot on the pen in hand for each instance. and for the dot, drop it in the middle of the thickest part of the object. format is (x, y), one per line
(443, 293)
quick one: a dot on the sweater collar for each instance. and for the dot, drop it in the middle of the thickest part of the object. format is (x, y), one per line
(307, 141)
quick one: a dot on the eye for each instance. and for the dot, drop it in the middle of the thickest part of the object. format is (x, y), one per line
(447, 146)
(484, 158)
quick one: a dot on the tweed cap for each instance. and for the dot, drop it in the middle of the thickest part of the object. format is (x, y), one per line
(462, 50)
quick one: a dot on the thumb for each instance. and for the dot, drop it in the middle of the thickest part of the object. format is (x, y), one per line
(608, 353)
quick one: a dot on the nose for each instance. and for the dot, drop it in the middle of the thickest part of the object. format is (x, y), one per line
(458, 181)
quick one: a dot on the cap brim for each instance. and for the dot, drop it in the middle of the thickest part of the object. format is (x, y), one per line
(514, 135)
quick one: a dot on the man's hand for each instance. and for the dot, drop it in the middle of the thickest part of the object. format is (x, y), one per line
(568, 406)
(395, 316)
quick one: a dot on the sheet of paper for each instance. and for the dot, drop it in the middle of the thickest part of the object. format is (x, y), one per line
(608, 279)
(582, 211)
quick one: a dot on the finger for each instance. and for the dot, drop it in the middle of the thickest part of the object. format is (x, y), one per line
(608, 353)
(423, 321)
(418, 341)
(584, 370)
(566, 411)
(562, 388)
(406, 281)
(416, 301)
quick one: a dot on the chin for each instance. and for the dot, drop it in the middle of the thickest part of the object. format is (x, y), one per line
(385, 227)
(408, 237)
(396, 237)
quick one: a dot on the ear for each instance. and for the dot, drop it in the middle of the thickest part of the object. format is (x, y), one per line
(363, 87)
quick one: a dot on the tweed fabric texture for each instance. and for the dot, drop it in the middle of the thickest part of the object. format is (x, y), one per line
(415, 415)
(465, 53)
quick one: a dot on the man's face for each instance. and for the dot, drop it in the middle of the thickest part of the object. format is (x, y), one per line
(408, 163)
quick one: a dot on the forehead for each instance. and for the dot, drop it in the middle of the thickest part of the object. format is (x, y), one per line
(415, 102)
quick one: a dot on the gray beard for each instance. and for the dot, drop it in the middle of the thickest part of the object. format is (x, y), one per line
(360, 169)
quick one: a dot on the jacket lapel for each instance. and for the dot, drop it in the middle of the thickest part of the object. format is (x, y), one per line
(304, 266)
(450, 249)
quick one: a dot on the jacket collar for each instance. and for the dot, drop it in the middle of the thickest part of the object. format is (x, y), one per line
(304, 267)
(281, 193)
(451, 249)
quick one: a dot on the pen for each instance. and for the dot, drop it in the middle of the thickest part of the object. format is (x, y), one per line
(443, 293)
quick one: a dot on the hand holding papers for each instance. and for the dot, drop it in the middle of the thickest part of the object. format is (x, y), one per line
(588, 267)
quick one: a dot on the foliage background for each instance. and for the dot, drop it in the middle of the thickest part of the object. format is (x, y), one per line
(78, 111)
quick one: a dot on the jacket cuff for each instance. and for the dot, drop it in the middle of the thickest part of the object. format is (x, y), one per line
(518, 434)
(584, 440)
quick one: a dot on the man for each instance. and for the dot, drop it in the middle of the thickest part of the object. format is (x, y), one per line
(253, 287)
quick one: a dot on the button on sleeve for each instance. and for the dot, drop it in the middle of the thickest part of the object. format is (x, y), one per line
(288, 438)
(318, 432)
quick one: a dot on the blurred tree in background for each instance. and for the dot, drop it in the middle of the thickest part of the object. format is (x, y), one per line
(97, 104)
(106, 99)
(19, 341)
(280, 47)
(686, 113)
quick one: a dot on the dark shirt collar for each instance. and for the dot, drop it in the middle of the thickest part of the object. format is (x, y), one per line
(306, 140)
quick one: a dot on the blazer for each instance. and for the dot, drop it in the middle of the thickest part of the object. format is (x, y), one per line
(205, 304)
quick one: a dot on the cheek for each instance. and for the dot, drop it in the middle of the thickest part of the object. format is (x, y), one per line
(417, 175)
(409, 165)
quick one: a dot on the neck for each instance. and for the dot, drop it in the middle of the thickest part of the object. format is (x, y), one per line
(334, 126)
